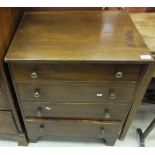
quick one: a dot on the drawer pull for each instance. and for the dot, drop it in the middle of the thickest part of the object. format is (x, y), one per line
(42, 127)
(119, 75)
(34, 75)
(39, 111)
(102, 131)
(36, 93)
(112, 95)
(107, 114)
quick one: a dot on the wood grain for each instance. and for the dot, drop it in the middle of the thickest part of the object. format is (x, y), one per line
(73, 128)
(145, 23)
(78, 92)
(77, 36)
(7, 124)
(75, 55)
(76, 110)
(10, 121)
(51, 72)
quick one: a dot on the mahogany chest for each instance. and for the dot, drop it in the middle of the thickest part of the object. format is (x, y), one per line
(78, 73)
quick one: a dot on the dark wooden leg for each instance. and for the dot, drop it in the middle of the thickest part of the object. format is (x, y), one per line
(22, 141)
(33, 138)
(110, 141)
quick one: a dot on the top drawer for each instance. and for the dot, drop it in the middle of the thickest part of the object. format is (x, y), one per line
(39, 72)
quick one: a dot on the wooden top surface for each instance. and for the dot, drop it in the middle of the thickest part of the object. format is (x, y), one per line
(78, 36)
(145, 23)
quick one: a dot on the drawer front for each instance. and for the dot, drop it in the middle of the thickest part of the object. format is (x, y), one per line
(85, 92)
(75, 72)
(76, 110)
(153, 74)
(3, 101)
(98, 129)
(7, 124)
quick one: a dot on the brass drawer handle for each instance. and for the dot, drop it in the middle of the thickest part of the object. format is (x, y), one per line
(42, 127)
(39, 111)
(119, 75)
(112, 95)
(34, 75)
(36, 93)
(107, 114)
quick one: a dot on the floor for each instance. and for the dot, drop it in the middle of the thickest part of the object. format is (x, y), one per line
(143, 117)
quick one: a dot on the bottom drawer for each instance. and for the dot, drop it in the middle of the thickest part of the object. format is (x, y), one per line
(7, 124)
(98, 129)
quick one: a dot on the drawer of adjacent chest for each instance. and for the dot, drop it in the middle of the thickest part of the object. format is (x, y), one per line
(98, 129)
(85, 92)
(3, 100)
(74, 72)
(76, 110)
(7, 124)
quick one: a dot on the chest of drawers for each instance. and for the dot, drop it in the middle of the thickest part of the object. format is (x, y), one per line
(11, 125)
(78, 73)
(145, 23)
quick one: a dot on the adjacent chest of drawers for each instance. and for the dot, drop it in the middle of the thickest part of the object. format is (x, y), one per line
(78, 73)
(7, 123)
(145, 23)
(10, 121)
(10, 125)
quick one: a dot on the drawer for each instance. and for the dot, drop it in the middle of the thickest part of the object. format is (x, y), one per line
(38, 72)
(7, 124)
(3, 101)
(76, 110)
(71, 91)
(153, 76)
(97, 129)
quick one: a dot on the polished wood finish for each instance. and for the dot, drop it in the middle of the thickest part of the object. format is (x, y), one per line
(80, 64)
(47, 72)
(11, 125)
(77, 36)
(9, 19)
(145, 23)
(79, 91)
(97, 129)
(7, 123)
(104, 111)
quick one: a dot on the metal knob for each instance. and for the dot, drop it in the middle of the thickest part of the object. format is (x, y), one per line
(112, 95)
(36, 93)
(42, 127)
(119, 75)
(107, 114)
(34, 75)
(102, 131)
(39, 111)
